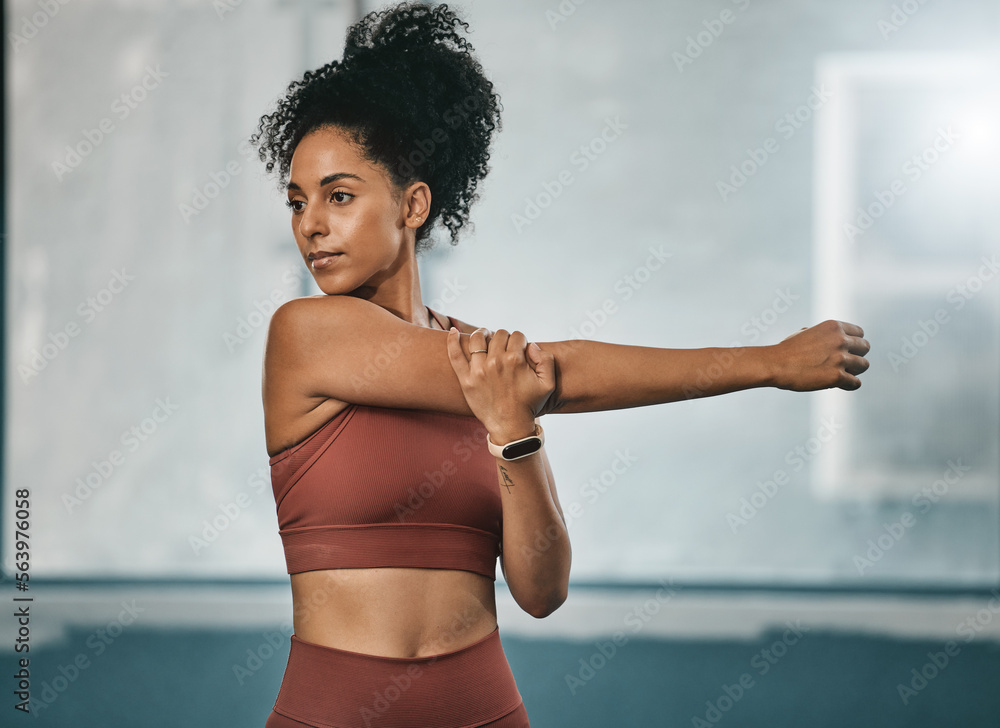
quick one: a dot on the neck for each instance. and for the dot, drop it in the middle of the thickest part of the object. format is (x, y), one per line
(398, 291)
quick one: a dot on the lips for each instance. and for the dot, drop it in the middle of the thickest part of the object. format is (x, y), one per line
(322, 259)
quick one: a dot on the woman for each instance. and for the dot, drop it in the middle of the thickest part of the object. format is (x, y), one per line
(386, 421)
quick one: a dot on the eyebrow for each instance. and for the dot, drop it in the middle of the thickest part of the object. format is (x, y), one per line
(328, 179)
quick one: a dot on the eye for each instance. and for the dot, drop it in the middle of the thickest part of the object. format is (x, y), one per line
(335, 196)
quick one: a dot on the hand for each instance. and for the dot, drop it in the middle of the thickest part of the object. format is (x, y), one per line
(507, 386)
(830, 354)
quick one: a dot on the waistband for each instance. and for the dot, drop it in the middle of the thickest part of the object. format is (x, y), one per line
(334, 688)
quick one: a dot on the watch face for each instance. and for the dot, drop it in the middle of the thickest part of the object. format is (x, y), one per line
(520, 449)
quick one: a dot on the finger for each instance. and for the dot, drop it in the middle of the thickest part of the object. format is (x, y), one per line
(533, 353)
(517, 342)
(856, 365)
(478, 342)
(848, 382)
(543, 363)
(498, 343)
(459, 361)
(851, 329)
(535, 357)
(859, 346)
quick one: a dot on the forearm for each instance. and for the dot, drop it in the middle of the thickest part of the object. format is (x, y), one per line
(536, 548)
(592, 376)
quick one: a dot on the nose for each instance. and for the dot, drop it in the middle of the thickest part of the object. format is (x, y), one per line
(312, 222)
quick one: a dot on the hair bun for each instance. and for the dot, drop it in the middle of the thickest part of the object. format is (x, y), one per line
(404, 28)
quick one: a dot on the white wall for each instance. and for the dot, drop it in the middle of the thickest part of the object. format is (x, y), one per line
(680, 130)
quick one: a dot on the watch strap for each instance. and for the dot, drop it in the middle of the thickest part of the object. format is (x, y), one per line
(498, 450)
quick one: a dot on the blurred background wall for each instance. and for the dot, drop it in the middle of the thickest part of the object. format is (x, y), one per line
(669, 174)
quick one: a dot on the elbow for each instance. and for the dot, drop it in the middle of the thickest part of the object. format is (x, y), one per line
(547, 605)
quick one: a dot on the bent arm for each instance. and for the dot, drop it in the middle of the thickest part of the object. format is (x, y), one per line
(536, 553)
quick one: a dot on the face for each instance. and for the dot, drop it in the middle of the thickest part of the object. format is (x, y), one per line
(342, 204)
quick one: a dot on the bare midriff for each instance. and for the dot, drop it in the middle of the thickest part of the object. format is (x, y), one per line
(393, 612)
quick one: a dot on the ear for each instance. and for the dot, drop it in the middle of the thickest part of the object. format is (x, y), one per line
(416, 204)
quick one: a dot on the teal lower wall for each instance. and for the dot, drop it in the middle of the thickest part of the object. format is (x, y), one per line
(169, 678)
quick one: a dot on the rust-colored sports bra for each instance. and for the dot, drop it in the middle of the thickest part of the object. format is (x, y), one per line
(388, 487)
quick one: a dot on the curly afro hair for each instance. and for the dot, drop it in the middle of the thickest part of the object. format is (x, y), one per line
(412, 96)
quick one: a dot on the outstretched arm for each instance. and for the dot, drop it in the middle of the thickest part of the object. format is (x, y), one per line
(594, 375)
(355, 351)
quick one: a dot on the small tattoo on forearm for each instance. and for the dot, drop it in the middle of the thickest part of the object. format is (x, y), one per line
(507, 482)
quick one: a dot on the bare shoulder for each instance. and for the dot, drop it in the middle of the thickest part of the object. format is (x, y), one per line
(305, 310)
(291, 411)
(323, 353)
(299, 325)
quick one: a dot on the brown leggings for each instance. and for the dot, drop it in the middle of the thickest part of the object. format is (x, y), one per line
(325, 687)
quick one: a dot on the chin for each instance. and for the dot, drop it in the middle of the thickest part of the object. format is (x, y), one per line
(330, 288)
